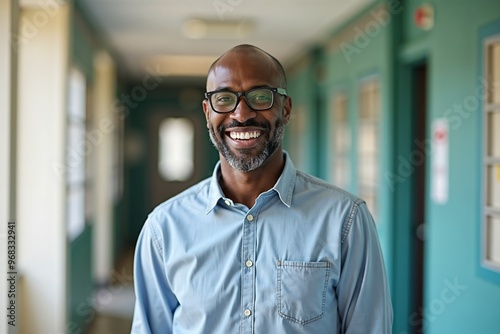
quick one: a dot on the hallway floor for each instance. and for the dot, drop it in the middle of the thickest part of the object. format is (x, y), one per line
(115, 303)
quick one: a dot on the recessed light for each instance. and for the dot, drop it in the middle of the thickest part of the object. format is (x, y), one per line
(216, 29)
(181, 65)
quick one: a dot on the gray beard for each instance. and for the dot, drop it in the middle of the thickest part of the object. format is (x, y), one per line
(246, 163)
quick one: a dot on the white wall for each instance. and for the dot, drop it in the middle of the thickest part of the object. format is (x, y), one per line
(43, 71)
(8, 74)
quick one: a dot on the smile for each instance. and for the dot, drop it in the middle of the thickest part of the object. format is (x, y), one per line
(238, 135)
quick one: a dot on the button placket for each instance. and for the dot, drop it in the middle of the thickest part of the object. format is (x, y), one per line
(248, 274)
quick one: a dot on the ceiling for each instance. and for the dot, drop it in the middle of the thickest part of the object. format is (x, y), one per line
(159, 33)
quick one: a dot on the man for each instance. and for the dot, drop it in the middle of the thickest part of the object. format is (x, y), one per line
(259, 247)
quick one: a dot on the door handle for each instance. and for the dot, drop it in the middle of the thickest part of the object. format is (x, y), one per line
(420, 232)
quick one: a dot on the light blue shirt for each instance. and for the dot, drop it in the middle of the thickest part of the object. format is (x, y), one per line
(304, 259)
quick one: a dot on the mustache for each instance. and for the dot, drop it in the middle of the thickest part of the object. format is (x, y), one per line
(235, 124)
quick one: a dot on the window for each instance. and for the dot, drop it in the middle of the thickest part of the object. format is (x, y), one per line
(176, 149)
(491, 160)
(341, 141)
(76, 151)
(368, 141)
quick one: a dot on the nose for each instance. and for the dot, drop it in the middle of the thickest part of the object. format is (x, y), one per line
(243, 112)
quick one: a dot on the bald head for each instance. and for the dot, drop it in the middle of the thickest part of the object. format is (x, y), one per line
(250, 51)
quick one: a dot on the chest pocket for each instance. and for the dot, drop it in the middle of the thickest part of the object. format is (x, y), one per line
(301, 290)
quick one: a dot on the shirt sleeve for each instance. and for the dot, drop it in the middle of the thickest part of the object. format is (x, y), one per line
(155, 303)
(364, 301)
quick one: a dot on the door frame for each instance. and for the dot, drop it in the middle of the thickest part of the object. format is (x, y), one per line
(405, 301)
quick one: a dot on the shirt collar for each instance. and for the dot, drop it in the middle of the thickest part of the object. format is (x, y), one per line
(284, 186)
(286, 182)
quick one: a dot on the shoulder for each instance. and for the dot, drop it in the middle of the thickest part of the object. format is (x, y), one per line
(175, 213)
(326, 197)
(314, 186)
(192, 199)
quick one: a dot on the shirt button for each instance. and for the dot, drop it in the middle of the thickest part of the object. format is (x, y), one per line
(249, 263)
(250, 218)
(228, 203)
(247, 312)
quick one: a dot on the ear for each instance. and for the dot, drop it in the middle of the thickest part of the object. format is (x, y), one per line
(287, 108)
(206, 110)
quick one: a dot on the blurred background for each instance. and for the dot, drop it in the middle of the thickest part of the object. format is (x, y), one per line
(101, 120)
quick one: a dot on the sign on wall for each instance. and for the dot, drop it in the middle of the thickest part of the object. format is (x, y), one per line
(440, 160)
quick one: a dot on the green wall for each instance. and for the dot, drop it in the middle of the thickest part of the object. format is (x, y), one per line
(453, 242)
(80, 284)
(80, 265)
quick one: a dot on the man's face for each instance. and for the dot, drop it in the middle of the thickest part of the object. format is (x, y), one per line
(246, 138)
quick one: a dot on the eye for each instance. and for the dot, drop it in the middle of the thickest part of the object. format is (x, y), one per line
(261, 97)
(223, 98)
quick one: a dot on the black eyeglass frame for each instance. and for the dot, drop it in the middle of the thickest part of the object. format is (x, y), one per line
(208, 95)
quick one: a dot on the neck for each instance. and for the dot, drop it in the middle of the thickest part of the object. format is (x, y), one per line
(245, 187)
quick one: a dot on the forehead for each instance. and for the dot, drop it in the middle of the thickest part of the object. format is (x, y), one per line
(242, 70)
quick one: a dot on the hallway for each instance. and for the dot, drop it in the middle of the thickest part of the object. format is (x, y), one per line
(102, 119)
(114, 304)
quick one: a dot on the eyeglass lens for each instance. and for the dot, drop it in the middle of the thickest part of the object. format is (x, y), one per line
(257, 99)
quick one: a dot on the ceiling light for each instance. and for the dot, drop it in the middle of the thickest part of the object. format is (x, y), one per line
(216, 29)
(181, 65)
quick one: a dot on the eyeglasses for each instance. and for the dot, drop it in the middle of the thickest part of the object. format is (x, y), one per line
(258, 99)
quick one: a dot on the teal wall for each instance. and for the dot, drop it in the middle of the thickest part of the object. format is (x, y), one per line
(452, 247)
(459, 297)
(299, 135)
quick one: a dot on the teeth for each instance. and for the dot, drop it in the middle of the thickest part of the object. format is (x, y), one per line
(244, 135)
